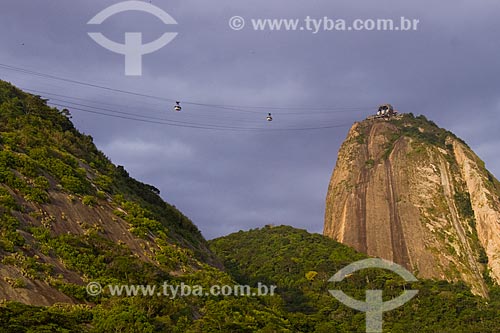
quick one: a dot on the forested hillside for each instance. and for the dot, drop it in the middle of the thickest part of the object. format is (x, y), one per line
(300, 264)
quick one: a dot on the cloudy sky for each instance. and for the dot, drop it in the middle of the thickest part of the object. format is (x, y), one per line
(243, 172)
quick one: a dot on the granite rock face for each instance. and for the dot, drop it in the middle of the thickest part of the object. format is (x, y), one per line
(408, 191)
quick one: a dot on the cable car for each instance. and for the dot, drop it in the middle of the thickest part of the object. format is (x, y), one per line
(177, 106)
(269, 117)
(385, 111)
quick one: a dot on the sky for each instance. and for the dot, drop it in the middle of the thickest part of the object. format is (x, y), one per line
(218, 160)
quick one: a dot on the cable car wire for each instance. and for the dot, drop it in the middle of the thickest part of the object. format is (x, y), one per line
(241, 108)
(165, 121)
(219, 120)
(207, 127)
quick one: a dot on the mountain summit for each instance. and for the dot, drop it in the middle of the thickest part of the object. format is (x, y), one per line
(406, 190)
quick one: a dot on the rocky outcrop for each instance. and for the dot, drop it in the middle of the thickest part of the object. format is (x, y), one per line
(408, 191)
(485, 200)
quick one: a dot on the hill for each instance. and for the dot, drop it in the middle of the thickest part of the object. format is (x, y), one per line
(408, 191)
(300, 264)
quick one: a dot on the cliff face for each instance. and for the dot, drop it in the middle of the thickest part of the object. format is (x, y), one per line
(408, 191)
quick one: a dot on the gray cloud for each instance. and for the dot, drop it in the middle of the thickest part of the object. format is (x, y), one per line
(227, 181)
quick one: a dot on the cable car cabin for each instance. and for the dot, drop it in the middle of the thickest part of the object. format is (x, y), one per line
(177, 106)
(385, 111)
(269, 117)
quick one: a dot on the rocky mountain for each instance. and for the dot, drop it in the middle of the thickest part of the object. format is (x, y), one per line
(406, 190)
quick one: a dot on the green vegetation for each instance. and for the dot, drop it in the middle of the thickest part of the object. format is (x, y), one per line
(30, 267)
(288, 257)
(422, 129)
(464, 206)
(297, 262)
(361, 138)
(46, 165)
(10, 237)
(17, 317)
(41, 151)
(462, 200)
(483, 257)
(89, 200)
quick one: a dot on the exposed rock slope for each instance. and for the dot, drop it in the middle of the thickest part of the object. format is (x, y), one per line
(413, 193)
(69, 216)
